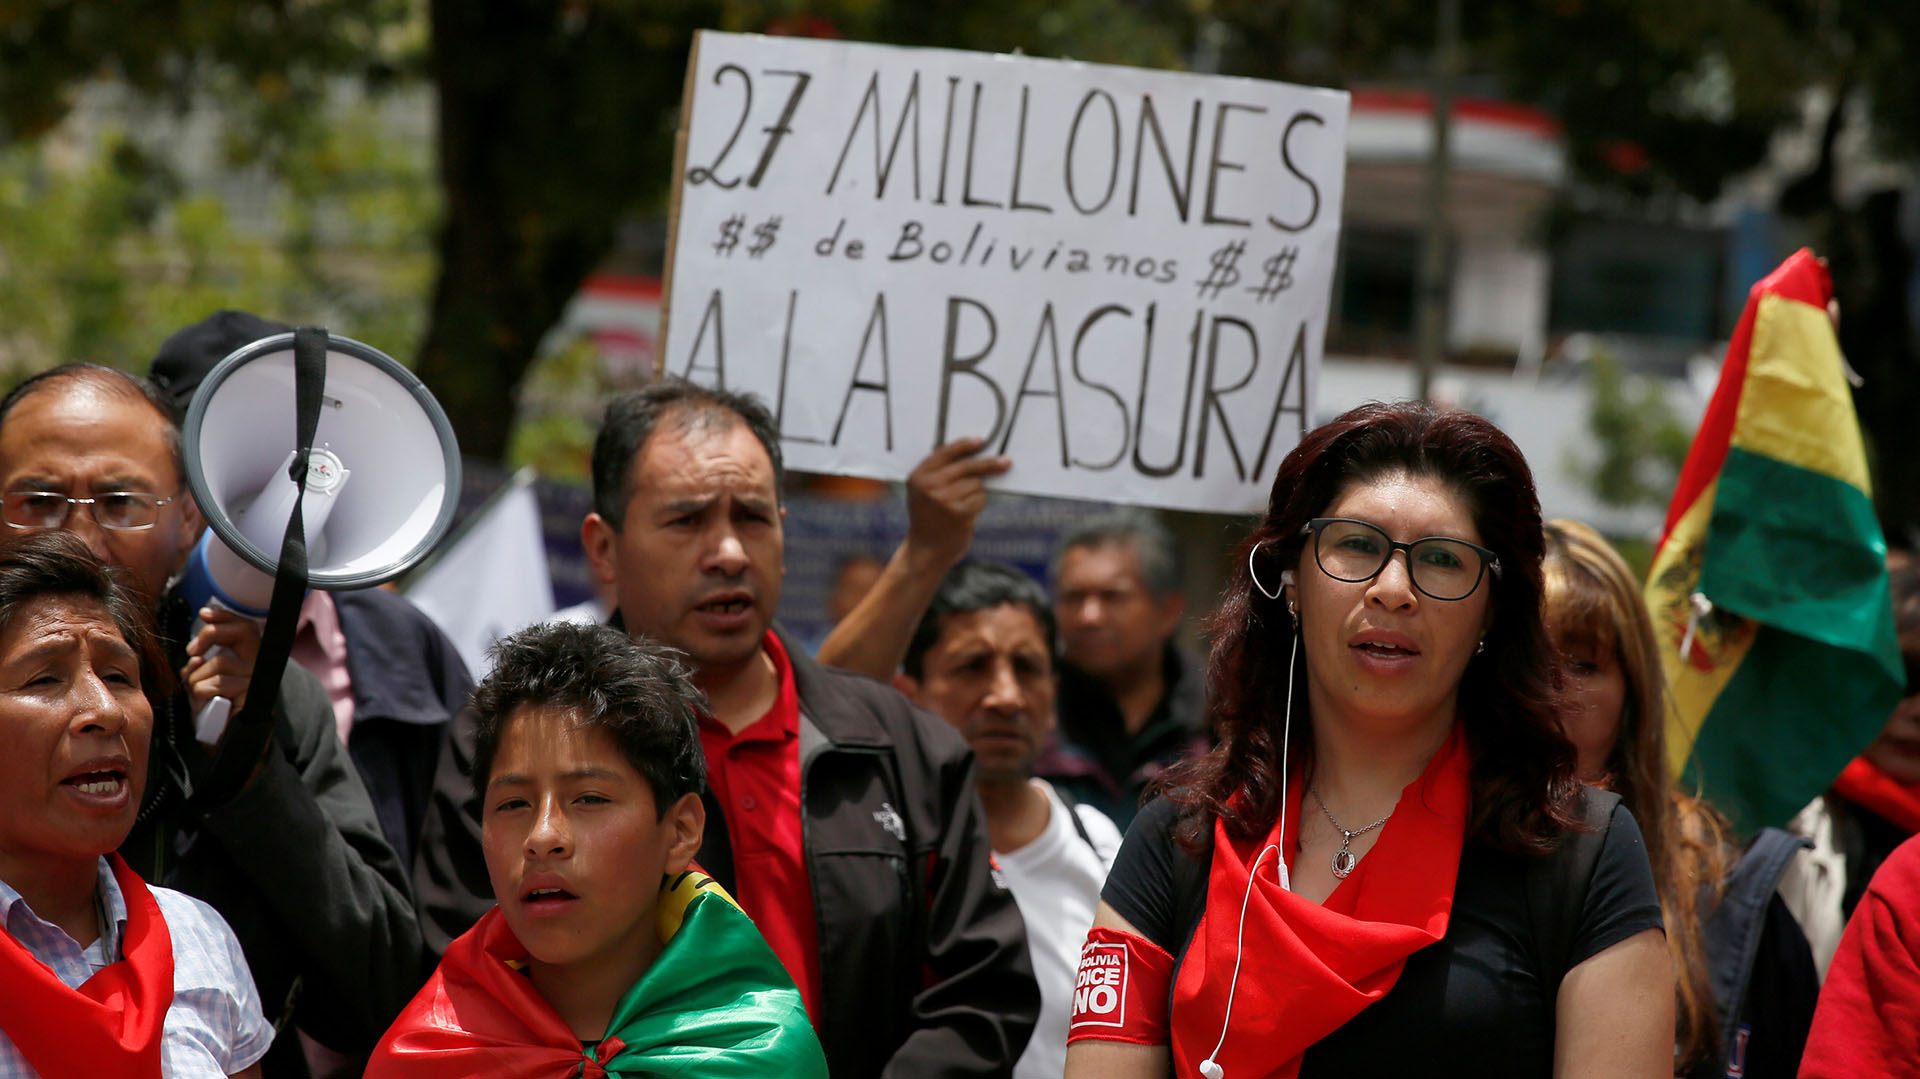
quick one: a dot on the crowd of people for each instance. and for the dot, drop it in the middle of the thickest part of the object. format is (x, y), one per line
(1411, 815)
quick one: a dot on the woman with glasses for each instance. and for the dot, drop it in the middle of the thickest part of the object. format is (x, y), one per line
(1386, 867)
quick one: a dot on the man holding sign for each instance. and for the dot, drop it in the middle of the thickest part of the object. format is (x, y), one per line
(843, 819)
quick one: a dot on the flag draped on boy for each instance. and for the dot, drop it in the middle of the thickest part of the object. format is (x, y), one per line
(715, 1004)
(1769, 587)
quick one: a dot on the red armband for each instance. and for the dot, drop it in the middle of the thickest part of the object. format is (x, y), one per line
(1122, 990)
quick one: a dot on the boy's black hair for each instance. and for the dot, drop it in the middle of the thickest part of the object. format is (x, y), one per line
(977, 586)
(637, 688)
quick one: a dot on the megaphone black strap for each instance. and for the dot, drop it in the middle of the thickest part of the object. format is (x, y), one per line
(251, 730)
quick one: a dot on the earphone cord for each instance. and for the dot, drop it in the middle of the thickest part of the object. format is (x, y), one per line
(1280, 864)
(1238, 954)
(1286, 736)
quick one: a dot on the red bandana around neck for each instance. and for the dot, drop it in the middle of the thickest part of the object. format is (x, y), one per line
(1863, 783)
(110, 1027)
(1315, 966)
(480, 1015)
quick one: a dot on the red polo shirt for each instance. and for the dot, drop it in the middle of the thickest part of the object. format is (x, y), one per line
(755, 776)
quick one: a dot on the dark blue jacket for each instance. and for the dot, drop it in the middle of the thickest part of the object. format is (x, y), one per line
(408, 683)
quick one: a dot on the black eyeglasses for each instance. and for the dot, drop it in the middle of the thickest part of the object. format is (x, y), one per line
(121, 511)
(1439, 566)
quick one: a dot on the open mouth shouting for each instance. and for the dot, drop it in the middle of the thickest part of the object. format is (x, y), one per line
(104, 784)
(725, 610)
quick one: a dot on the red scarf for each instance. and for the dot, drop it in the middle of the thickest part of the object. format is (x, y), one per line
(110, 1027)
(1311, 967)
(1863, 783)
(480, 1016)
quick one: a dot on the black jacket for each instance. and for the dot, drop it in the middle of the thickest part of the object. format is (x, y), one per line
(296, 864)
(1094, 758)
(1764, 980)
(923, 957)
(408, 684)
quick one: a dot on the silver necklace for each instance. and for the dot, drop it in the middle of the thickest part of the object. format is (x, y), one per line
(1344, 859)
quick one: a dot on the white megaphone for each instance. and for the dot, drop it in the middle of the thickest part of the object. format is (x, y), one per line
(382, 480)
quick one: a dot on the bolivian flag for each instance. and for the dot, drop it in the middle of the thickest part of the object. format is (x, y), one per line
(715, 1004)
(1769, 588)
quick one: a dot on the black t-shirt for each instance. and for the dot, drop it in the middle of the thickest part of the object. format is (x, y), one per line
(1472, 1002)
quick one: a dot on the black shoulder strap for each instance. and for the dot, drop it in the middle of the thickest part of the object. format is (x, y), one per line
(1557, 888)
(250, 731)
(1732, 932)
(1073, 814)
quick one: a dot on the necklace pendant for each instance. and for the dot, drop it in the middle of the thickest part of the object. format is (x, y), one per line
(1343, 862)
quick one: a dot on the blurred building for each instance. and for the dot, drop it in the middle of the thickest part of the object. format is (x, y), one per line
(1535, 289)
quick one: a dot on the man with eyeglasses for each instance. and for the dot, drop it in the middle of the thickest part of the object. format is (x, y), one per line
(295, 860)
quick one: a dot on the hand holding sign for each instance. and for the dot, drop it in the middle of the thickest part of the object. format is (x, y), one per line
(945, 494)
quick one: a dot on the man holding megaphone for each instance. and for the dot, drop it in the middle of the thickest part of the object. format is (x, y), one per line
(393, 678)
(294, 859)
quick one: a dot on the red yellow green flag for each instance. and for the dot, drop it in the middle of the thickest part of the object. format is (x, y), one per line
(715, 1004)
(1769, 587)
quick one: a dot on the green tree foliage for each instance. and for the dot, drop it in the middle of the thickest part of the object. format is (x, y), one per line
(269, 60)
(102, 252)
(555, 126)
(1640, 444)
(105, 247)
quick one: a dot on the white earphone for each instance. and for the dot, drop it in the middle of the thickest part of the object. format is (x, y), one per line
(1286, 576)
(1210, 1068)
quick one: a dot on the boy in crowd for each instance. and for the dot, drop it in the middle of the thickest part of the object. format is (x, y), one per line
(608, 953)
(842, 817)
(982, 659)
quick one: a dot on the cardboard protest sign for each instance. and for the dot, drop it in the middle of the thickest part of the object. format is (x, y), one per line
(1118, 277)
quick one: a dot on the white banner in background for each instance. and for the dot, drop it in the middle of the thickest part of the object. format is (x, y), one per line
(1119, 277)
(492, 582)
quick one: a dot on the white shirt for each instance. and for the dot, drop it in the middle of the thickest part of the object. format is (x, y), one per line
(213, 1028)
(1056, 881)
(1815, 883)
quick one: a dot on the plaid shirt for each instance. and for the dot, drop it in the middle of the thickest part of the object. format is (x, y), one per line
(214, 1026)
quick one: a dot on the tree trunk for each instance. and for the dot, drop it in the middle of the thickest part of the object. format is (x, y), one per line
(1867, 254)
(555, 122)
(1871, 266)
